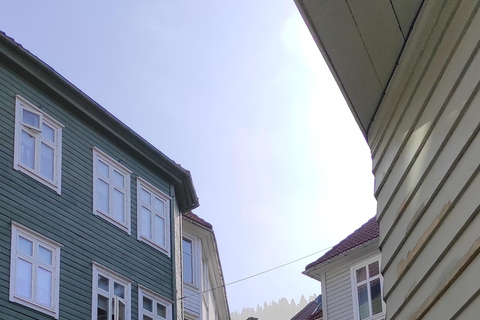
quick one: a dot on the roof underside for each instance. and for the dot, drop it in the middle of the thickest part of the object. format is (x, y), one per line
(361, 41)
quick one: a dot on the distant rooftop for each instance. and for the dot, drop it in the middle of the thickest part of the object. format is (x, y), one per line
(364, 234)
(312, 311)
(193, 217)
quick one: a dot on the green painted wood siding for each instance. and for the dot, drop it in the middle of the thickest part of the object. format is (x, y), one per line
(68, 218)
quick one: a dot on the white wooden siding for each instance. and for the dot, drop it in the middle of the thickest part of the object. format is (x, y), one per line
(426, 159)
(338, 290)
(192, 300)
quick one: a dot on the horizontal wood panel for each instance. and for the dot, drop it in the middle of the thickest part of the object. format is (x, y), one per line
(453, 150)
(192, 300)
(417, 97)
(426, 167)
(439, 276)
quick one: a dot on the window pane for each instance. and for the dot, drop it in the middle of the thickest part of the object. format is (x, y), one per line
(102, 196)
(363, 309)
(376, 294)
(48, 132)
(187, 246)
(44, 286)
(102, 169)
(46, 161)
(118, 178)
(159, 206)
(161, 310)
(159, 233)
(103, 282)
(118, 206)
(147, 304)
(31, 119)
(146, 223)
(121, 311)
(373, 269)
(45, 255)
(147, 318)
(25, 246)
(27, 156)
(187, 261)
(361, 274)
(23, 281)
(118, 290)
(102, 308)
(146, 197)
(187, 268)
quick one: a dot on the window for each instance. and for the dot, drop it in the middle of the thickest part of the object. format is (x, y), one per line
(367, 289)
(152, 306)
(188, 265)
(153, 212)
(111, 190)
(34, 270)
(110, 295)
(38, 144)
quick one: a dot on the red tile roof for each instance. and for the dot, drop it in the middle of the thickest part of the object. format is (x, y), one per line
(193, 217)
(364, 234)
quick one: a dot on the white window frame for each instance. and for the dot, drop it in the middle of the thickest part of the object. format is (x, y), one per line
(20, 105)
(113, 165)
(196, 262)
(37, 240)
(97, 270)
(143, 184)
(156, 298)
(353, 279)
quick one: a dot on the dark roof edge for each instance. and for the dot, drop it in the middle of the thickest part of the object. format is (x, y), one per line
(333, 253)
(192, 217)
(44, 76)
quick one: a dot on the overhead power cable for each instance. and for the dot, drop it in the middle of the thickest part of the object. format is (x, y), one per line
(255, 275)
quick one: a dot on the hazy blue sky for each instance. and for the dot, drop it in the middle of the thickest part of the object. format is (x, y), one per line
(237, 93)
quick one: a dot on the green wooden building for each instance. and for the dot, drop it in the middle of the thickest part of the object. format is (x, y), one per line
(90, 212)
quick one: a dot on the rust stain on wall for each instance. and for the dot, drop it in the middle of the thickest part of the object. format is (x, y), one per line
(404, 264)
(415, 217)
(452, 276)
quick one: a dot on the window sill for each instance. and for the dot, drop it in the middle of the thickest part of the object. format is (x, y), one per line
(154, 245)
(32, 174)
(117, 224)
(380, 316)
(189, 285)
(35, 306)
